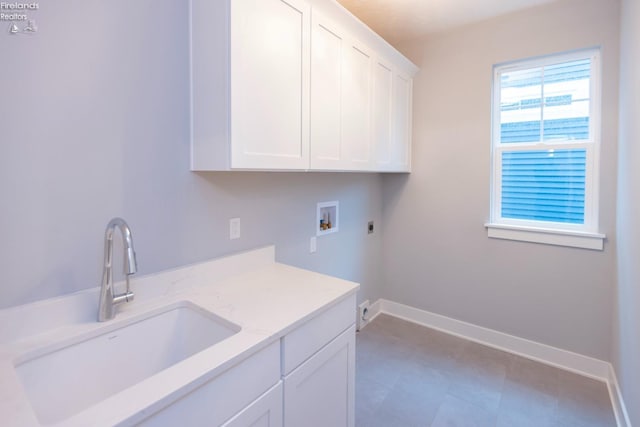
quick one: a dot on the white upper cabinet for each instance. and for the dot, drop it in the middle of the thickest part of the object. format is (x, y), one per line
(270, 84)
(250, 84)
(392, 118)
(327, 65)
(356, 106)
(402, 125)
(295, 85)
(383, 115)
(340, 99)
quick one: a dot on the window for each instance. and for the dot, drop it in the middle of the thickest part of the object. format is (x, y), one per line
(545, 146)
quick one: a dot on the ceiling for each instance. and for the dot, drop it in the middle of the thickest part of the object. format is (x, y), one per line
(399, 20)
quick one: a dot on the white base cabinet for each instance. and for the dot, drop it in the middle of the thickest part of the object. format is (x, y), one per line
(320, 392)
(266, 411)
(306, 379)
(318, 368)
(225, 395)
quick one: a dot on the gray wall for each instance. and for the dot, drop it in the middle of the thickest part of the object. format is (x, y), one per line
(94, 124)
(436, 251)
(626, 345)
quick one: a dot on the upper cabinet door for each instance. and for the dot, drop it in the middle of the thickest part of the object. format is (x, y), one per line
(327, 64)
(270, 80)
(341, 84)
(383, 111)
(356, 106)
(403, 100)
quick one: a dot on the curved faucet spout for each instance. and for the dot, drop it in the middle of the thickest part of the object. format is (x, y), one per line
(108, 299)
(130, 263)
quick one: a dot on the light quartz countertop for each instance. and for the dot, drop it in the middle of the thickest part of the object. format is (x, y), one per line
(265, 298)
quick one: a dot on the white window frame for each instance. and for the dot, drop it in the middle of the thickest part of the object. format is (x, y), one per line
(574, 235)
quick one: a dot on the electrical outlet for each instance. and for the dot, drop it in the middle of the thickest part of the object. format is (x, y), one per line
(363, 314)
(234, 228)
(313, 245)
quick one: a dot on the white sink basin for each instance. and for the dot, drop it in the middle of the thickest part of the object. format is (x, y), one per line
(67, 378)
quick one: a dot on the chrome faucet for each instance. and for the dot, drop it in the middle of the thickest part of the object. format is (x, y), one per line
(108, 299)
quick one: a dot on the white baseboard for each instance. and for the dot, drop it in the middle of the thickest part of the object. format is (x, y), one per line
(563, 359)
(374, 310)
(619, 408)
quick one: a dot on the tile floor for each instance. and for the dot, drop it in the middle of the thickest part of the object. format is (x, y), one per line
(408, 375)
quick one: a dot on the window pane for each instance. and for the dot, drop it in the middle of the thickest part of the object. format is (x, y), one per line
(520, 105)
(568, 71)
(566, 101)
(544, 185)
(568, 128)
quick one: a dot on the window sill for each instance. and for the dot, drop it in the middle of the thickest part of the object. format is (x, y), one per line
(594, 241)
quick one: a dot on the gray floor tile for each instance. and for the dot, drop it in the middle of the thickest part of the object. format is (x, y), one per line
(408, 375)
(519, 397)
(441, 351)
(516, 418)
(534, 375)
(369, 396)
(409, 409)
(383, 368)
(583, 401)
(524, 406)
(456, 412)
(480, 392)
(480, 376)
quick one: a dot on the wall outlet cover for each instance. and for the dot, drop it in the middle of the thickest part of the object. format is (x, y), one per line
(234, 228)
(363, 314)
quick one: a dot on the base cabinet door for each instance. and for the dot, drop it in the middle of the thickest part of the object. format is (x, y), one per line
(224, 396)
(320, 392)
(266, 411)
